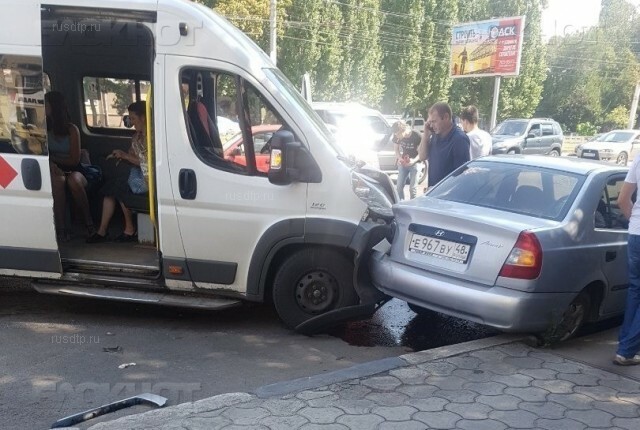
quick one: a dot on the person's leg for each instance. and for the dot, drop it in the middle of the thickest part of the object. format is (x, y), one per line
(108, 209)
(129, 228)
(402, 179)
(58, 191)
(77, 184)
(413, 181)
(629, 337)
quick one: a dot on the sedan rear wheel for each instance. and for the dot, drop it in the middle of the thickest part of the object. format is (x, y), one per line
(572, 319)
(622, 159)
(511, 151)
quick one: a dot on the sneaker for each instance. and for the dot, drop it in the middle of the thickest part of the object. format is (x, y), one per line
(622, 361)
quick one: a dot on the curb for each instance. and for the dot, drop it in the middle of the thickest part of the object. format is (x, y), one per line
(378, 366)
(316, 381)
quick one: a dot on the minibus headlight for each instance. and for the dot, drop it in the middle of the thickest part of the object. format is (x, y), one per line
(372, 194)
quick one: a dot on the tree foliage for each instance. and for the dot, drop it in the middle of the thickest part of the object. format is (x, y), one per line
(394, 54)
(402, 49)
(592, 75)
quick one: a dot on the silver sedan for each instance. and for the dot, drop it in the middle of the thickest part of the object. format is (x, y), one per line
(520, 243)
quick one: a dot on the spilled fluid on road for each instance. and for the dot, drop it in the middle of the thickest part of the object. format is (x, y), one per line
(396, 325)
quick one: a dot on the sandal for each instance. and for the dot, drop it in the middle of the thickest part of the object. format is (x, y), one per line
(63, 236)
(124, 237)
(91, 230)
(96, 238)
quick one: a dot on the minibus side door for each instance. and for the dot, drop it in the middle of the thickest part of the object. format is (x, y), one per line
(223, 199)
(28, 244)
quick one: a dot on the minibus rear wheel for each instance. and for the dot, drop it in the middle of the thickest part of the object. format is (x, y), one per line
(311, 282)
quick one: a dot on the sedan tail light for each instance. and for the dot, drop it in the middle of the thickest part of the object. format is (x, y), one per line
(525, 259)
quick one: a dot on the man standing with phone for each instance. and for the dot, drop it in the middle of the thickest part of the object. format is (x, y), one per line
(448, 146)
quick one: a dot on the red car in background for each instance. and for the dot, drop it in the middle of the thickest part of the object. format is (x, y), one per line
(234, 148)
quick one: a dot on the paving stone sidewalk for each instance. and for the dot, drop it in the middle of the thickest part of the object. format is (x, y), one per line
(493, 384)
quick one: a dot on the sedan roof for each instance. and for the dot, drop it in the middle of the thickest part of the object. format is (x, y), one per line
(576, 165)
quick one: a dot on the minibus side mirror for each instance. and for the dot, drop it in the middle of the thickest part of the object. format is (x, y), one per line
(291, 161)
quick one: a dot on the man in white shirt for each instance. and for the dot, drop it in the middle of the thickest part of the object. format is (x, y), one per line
(480, 141)
(629, 336)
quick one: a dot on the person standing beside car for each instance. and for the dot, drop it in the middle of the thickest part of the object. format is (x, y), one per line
(629, 335)
(406, 143)
(480, 142)
(448, 146)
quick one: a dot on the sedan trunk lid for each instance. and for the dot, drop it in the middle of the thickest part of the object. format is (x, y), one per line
(458, 239)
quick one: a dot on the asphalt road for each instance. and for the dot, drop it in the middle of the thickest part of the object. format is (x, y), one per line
(60, 356)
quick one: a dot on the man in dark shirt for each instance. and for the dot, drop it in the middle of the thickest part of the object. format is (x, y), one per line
(406, 146)
(449, 145)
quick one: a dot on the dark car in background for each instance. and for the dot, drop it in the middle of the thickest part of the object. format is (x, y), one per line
(528, 136)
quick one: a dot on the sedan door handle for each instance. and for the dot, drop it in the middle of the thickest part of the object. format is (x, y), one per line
(610, 256)
(188, 184)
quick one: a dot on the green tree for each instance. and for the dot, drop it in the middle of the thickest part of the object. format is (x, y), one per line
(327, 74)
(311, 44)
(617, 19)
(593, 73)
(252, 17)
(401, 44)
(618, 117)
(208, 3)
(443, 15)
(520, 96)
(362, 76)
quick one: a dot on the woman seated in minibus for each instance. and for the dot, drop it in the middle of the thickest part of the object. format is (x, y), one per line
(63, 140)
(130, 177)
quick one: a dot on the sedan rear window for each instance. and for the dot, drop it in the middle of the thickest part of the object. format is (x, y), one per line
(527, 190)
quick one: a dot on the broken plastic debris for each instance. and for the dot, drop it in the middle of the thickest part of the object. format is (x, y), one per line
(125, 365)
(113, 349)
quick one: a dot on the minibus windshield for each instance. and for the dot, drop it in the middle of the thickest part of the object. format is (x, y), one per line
(292, 94)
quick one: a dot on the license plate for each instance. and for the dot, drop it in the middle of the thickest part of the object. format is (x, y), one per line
(588, 155)
(439, 248)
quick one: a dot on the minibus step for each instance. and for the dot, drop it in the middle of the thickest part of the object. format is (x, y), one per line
(127, 295)
(106, 268)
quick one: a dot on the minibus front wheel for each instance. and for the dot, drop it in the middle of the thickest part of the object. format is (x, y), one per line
(311, 282)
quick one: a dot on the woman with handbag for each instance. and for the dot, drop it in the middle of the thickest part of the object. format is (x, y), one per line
(130, 175)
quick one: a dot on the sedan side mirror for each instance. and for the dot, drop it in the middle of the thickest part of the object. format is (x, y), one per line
(531, 136)
(291, 161)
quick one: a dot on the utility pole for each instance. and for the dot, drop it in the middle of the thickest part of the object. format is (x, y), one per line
(272, 32)
(634, 106)
(496, 98)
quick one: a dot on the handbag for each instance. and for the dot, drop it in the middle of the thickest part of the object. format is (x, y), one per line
(91, 172)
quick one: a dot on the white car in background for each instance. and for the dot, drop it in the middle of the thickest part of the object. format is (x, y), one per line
(618, 146)
(416, 123)
(364, 133)
(360, 131)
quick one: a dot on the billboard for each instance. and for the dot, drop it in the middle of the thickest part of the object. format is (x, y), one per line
(487, 48)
